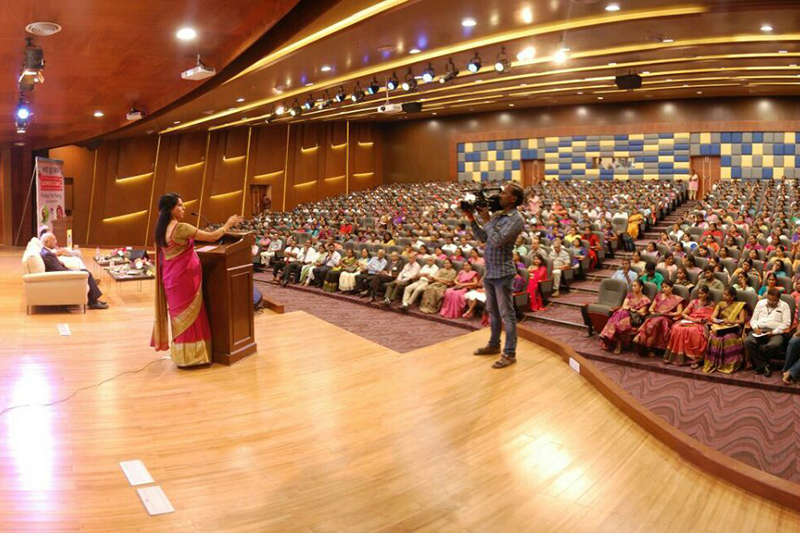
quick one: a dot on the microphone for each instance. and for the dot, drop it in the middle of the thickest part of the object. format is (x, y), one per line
(208, 222)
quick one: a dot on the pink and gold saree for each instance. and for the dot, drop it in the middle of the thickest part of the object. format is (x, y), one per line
(179, 296)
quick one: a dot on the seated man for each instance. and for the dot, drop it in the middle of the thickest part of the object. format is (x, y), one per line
(771, 318)
(375, 266)
(387, 275)
(409, 273)
(72, 259)
(561, 261)
(414, 290)
(708, 278)
(52, 264)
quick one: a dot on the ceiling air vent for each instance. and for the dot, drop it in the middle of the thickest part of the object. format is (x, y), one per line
(43, 29)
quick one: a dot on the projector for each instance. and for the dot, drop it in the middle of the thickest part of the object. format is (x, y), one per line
(629, 82)
(390, 109)
(134, 114)
(200, 72)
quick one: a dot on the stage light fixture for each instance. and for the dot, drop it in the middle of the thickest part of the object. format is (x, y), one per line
(561, 56)
(295, 110)
(340, 95)
(393, 82)
(281, 109)
(474, 64)
(501, 63)
(309, 103)
(326, 101)
(358, 94)
(23, 111)
(428, 74)
(373, 87)
(450, 72)
(410, 83)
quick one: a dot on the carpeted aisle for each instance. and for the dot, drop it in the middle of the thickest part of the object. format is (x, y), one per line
(392, 330)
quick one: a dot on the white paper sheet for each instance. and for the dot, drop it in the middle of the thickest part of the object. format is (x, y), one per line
(574, 365)
(155, 501)
(136, 472)
(206, 248)
(63, 329)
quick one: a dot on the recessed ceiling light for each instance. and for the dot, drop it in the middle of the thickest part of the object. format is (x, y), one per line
(309, 84)
(325, 68)
(766, 28)
(645, 72)
(685, 84)
(561, 56)
(186, 34)
(414, 51)
(240, 100)
(783, 51)
(611, 64)
(177, 122)
(19, 144)
(434, 113)
(667, 40)
(612, 7)
(793, 65)
(580, 92)
(527, 15)
(510, 105)
(468, 22)
(599, 97)
(99, 114)
(699, 92)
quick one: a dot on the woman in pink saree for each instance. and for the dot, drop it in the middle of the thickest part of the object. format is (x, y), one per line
(689, 336)
(537, 273)
(179, 285)
(665, 309)
(455, 297)
(618, 329)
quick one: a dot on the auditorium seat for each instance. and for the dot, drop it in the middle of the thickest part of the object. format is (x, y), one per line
(611, 295)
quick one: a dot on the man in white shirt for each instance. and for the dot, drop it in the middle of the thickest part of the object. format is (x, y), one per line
(275, 244)
(409, 273)
(331, 261)
(289, 256)
(771, 318)
(561, 262)
(415, 289)
(305, 256)
(449, 246)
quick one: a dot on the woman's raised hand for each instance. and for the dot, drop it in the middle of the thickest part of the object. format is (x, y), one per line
(233, 220)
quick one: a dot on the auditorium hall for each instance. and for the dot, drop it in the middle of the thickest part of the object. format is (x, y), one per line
(449, 266)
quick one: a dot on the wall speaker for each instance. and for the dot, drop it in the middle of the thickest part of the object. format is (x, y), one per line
(629, 82)
(412, 107)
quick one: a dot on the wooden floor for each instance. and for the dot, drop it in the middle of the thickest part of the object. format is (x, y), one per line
(326, 431)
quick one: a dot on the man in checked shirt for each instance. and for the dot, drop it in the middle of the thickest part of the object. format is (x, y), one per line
(499, 231)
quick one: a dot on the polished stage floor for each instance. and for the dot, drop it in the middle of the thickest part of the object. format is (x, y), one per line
(323, 431)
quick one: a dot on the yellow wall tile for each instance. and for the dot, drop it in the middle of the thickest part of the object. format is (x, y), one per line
(705, 138)
(766, 161)
(725, 172)
(758, 149)
(725, 149)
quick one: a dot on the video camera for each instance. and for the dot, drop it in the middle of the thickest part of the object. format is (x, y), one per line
(485, 198)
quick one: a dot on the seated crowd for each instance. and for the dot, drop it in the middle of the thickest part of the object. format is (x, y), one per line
(410, 244)
(721, 290)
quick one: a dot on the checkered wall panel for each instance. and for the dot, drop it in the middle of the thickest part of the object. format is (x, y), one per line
(655, 155)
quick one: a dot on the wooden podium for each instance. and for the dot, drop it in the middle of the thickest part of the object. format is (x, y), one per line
(228, 296)
(60, 228)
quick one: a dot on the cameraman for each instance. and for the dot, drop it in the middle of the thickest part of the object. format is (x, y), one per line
(499, 231)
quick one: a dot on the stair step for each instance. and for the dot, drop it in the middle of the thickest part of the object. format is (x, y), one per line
(538, 318)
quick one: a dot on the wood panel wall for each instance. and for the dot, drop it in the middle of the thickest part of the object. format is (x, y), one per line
(117, 186)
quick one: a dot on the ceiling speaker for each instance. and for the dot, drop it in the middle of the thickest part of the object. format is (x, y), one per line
(629, 82)
(412, 107)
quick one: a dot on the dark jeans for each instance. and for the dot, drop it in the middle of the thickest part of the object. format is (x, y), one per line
(292, 270)
(762, 349)
(277, 266)
(792, 364)
(319, 275)
(500, 307)
(378, 281)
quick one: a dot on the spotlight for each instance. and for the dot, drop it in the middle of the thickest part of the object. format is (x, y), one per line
(393, 82)
(281, 109)
(561, 55)
(373, 87)
(326, 101)
(341, 95)
(295, 110)
(32, 67)
(410, 83)
(309, 103)
(450, 72)
(23, 112)
(502, 64)
(269, 118)
(358, 94)
(474, 64)
(428, 74)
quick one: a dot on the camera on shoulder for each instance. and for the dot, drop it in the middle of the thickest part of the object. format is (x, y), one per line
(485, 198)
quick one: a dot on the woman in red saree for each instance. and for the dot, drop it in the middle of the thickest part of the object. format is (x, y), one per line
(665, 309)
(537, 272)
(618, 329)
(179, 285)
(689, 336)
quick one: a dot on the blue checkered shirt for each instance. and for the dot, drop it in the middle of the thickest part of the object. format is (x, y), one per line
(500, 235)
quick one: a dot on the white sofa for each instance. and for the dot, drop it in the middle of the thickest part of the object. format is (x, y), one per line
(52, 288)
